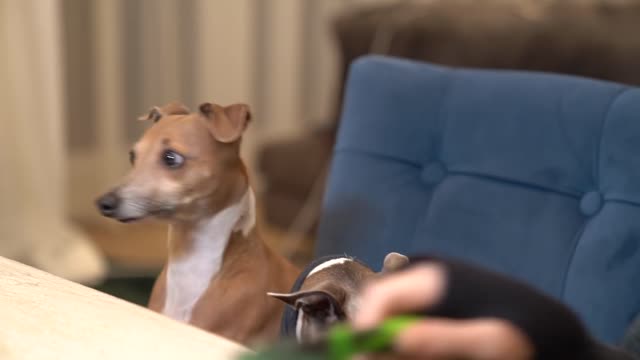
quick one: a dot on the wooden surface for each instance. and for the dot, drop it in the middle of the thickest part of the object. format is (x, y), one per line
(45, 317)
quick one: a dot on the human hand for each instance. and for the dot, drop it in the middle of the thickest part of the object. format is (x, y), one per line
(423, 286)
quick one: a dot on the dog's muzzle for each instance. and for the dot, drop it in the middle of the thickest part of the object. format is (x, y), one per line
(108, 204)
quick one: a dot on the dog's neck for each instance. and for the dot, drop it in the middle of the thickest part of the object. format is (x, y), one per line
(196, 254)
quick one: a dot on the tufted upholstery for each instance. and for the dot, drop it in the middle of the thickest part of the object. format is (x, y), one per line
(531, 174)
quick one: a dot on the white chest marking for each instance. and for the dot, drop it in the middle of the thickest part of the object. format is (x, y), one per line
(189, 275)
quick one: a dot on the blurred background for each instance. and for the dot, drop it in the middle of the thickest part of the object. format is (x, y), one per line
(76, 74)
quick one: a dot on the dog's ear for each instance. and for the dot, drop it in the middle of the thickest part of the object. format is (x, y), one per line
(316, 304)
(290, 298)
(394, 261)
(226, 124)
(172, 108)
(154, 114)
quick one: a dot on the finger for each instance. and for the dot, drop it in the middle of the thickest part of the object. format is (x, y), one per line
(482, 339)
(407, 291)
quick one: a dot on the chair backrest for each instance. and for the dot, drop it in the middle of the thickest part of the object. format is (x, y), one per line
(532, 174)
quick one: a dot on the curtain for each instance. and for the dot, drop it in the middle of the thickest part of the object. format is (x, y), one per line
(34, 226)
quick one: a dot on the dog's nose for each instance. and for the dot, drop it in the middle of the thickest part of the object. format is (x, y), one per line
(108, 204)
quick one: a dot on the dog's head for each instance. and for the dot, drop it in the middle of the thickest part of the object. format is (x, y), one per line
(184, 166)
(330, 294)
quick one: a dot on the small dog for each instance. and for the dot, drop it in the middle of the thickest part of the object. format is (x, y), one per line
(329, 293)
(187, 171)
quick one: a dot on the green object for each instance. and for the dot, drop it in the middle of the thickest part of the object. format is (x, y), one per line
(341, 343)
(288, 350)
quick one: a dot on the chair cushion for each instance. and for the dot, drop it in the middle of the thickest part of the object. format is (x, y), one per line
(531, 174)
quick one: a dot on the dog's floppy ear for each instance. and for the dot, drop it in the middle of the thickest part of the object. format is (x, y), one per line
(172, 108)
(226, 124)
(290, 298)
(316, 304)
(154, 114)
(394, 261)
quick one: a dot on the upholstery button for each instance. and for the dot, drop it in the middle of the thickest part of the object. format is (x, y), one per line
(433, 173)
(591, 203)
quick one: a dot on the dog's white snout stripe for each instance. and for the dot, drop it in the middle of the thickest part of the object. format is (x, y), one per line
(328, 264)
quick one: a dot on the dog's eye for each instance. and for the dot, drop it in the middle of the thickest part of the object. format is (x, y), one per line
(172, 159)
(132, 157)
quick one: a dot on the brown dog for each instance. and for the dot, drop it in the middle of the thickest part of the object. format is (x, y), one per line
(187, 171)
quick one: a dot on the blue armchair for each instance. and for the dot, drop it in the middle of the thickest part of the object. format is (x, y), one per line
(531, 174)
